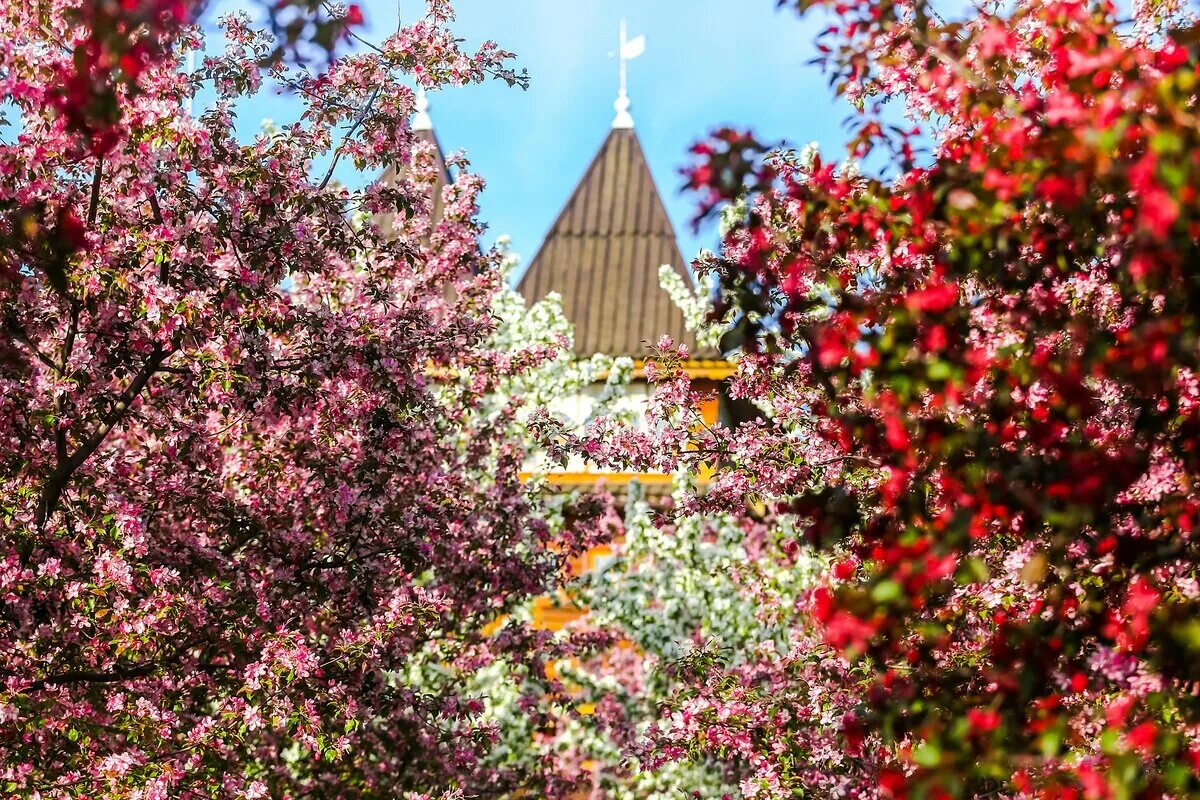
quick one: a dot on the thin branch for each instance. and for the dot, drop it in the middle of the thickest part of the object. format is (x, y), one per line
(838, 459)
(369, 44)
(94, 203)
(82, 676)
(19, 335)
(52, 492)
(338, 153)
(349, 30)
(72, 332)
(68, 347)
(164, 268)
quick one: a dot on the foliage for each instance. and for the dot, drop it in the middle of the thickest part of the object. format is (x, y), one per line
(254, 463)
(980, 367)
(705, 611)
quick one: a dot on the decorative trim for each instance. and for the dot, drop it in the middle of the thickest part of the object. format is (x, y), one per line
(716, 369)
(584, 478)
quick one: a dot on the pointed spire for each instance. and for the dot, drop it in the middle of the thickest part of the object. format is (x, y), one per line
(604, 252)
(629, 50)
(422, 125)
(421, 121)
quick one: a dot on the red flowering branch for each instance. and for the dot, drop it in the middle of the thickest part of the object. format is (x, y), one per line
(1006, 330)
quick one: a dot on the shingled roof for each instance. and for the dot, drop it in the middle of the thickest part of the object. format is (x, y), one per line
(422, 127)
(603, 255)
(392, 175)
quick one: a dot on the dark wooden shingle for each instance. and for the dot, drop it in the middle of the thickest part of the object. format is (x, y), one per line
(603, 254)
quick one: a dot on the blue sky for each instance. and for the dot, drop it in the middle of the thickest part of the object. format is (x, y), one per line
(707, 63)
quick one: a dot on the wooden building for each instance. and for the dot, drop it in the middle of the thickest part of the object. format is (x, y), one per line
(603, 255)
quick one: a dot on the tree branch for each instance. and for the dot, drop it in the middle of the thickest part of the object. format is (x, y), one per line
(53, 489)
(84, 676)
(164, 267)
(19, 335)
(94, 203)
(337, 154)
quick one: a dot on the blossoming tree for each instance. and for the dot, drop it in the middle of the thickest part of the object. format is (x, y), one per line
(977, 364)
(253, 462)
(698, 616)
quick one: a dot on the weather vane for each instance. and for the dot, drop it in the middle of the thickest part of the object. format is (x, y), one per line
(630, 49)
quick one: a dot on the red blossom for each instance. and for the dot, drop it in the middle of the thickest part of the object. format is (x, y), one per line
(1159, 211)
(932, 299)
(983, 720)
(998, 383)
(1142, 737)
(844, 570)
(894, 783)
(71, 230)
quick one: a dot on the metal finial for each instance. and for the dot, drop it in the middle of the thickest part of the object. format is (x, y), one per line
(421, 120)
(630, 49)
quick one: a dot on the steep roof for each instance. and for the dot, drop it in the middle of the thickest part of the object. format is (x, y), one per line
(603, 254)
(394, 172)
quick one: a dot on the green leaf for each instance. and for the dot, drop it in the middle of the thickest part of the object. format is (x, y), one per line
(1051, 743)
(972, 570)
(928, 754)
(886, 591)
(940, 370)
